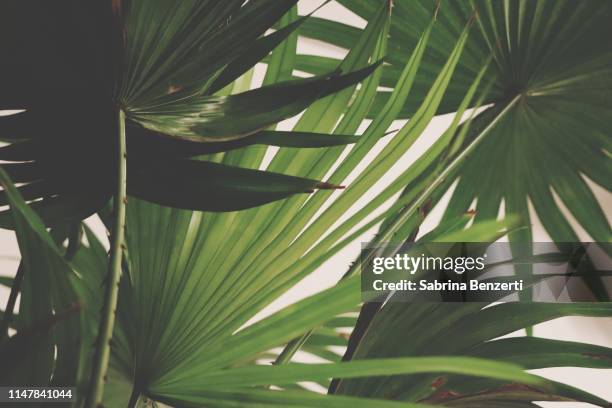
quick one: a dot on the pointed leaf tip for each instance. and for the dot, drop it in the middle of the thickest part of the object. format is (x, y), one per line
(328, 186)
(436, 9)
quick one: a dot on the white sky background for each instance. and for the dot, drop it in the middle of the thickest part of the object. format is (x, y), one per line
(588, 330)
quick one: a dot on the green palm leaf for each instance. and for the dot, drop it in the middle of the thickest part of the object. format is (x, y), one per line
(188, 327)
(437, 323)
(550, 55)
(48, 348)
(206, 289)
(164, 80)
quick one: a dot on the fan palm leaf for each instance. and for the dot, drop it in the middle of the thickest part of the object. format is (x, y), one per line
(102, 59)
(188, 328)
(547, 53)
(530, 138)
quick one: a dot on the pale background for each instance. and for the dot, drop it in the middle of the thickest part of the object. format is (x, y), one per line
(588, 330)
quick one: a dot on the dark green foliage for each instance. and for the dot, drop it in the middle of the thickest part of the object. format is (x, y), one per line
(75, 64)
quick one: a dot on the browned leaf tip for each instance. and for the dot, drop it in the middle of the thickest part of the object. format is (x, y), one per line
(328, 186)
(174, 88)
(438, 382)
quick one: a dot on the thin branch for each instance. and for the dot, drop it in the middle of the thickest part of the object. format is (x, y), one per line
(109, 309)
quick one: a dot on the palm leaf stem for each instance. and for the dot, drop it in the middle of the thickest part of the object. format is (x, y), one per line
(107, 318)
(134, 397)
